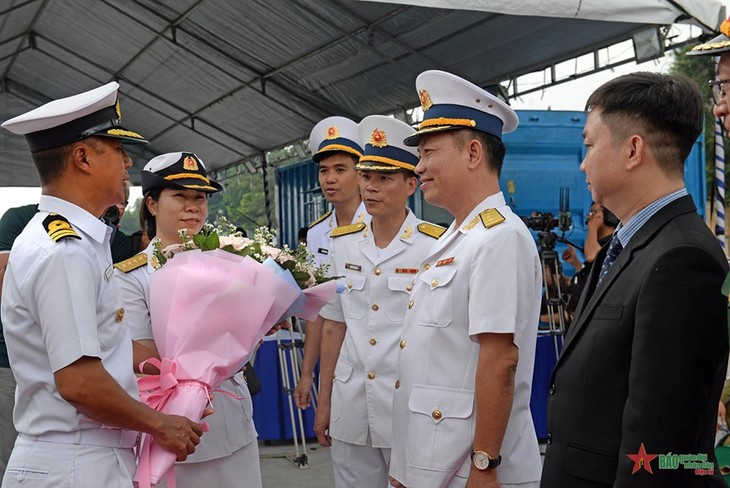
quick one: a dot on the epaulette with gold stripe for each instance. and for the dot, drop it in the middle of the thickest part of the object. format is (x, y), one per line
(431, 230)
(491, 217)
(320, 219)
(59, 228)
(344, 230)
(132, 263)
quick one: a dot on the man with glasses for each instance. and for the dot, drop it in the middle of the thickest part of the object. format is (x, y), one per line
(644, 360)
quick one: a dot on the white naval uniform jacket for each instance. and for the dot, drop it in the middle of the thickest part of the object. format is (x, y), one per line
(318, 234)
(61, 302)
(484, 276)
(231, 426)
(377, 285)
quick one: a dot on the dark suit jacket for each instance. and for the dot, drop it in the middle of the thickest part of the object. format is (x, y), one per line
(644, 361)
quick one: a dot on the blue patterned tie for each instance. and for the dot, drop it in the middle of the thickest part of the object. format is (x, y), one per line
(614, 249)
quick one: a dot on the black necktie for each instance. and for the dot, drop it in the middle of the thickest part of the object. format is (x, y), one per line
(614, 249)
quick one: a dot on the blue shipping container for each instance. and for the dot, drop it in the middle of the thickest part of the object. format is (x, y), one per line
(543, 156)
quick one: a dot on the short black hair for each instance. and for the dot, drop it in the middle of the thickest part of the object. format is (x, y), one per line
(494, 148)
(666, 110)
(50, 163)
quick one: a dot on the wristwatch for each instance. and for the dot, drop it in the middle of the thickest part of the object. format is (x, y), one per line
(483, 461)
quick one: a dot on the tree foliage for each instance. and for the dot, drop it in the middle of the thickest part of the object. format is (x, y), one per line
(701, 69)
(242, 202)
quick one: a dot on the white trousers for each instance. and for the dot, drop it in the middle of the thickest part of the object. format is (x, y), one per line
(38, 464)
(7, 428)
(359, 466)
(242, 469)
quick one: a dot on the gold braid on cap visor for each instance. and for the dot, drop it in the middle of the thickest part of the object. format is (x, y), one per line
(395, 165)
(339, 147)
(121, 132)
(445, 121)
(180, 176)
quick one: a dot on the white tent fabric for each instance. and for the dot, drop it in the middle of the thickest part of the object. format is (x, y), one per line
(706, 14)
(234, 79)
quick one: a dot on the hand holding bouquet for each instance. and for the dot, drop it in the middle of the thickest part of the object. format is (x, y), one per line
(212, 299)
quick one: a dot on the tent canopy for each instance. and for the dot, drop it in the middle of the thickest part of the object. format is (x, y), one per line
(231, 80)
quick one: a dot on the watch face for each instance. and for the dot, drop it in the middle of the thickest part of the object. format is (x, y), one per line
(481, 460)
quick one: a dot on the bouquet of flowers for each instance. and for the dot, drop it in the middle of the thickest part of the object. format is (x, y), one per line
(212, 299)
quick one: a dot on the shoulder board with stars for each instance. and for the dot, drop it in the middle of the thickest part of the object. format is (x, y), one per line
(320, 219)
(59, 228)
(344, 230)
(431, 230)
(132, 263)
(491, 217)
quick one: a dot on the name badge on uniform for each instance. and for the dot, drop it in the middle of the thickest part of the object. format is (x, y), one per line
(444, 262)
(322, 250)
(353, 267)
(108, 273)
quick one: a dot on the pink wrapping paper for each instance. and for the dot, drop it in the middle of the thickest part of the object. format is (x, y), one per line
(209, 310)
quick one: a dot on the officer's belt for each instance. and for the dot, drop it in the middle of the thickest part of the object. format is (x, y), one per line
(124, 439)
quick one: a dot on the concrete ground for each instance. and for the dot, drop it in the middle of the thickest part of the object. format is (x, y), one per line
(280, 469)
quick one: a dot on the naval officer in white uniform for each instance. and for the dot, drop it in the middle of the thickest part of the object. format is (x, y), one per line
(176, 189)
(378, 263)
(336, 149)
(77, 409)
(461, 414)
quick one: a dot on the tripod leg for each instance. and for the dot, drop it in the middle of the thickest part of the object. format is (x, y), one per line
(284, 370)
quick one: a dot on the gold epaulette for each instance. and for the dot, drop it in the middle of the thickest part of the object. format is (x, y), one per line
(320, 219)
(491, 217)
(59, 228)
(431, 230)
(344, 230)
(132, 263)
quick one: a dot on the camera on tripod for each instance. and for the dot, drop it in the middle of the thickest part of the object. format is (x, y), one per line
(545, 222)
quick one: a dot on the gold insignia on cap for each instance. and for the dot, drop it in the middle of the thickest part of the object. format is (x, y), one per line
(491, 217)
(59, 228)
(190, 164)
(120, 315)
(378, 139)
(332, 132)
(407, 233)
(725, 27)
(426, 102)
(118, 109)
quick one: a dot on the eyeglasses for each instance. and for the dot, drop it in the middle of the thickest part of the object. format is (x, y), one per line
(717, 88)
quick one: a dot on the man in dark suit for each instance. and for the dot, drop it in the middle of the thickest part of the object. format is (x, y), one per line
(643, 364)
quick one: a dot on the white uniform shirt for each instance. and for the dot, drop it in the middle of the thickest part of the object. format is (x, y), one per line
(60, 303)
(475, 280)
(377, 284)
(318, 235)
(231, 427)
